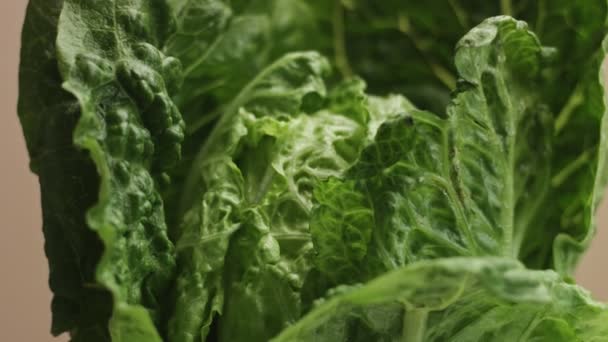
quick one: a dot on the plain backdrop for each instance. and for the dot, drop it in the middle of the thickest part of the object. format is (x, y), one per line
(24, 295)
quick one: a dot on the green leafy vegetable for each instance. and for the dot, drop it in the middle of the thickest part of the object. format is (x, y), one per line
(217, 203)
(68, 181)
(206, 176)
(456, 299)
(132, 130)
(407, 46)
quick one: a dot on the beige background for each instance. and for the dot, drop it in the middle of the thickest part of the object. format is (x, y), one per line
(24, 294)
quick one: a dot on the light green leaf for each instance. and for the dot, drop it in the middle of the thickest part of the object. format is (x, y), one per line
(223, 183)
(457, 299)
(279, 90)
(435, 189)
(271, 255)
(223, 46)
(270, 258)
(341, 227)
(407, 47)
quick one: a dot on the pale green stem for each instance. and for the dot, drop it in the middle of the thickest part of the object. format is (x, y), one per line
(340, 42)
(414, 325)
(574, 101)
(569, 169)
(506, 7)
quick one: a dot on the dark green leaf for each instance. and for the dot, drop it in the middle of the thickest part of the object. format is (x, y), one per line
(131, 129)
(68, 181)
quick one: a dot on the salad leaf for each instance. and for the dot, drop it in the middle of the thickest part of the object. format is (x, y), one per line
(219, 58)
(217, 189)
(427, 188)
(578, 105)
(235, 44)
(271, 255)
(258, 187)
(200, 163)
(407, 47)
(68, 181)
(126, 132)
(456, 299)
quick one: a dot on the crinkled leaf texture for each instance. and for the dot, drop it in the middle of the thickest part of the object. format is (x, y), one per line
(455, 299)
(223, 46)
(109, 58)
(475, 183)
(289, 203)
(429, 187)
(471, 184)
(101, 147)
(233, 171)
(407, 47)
